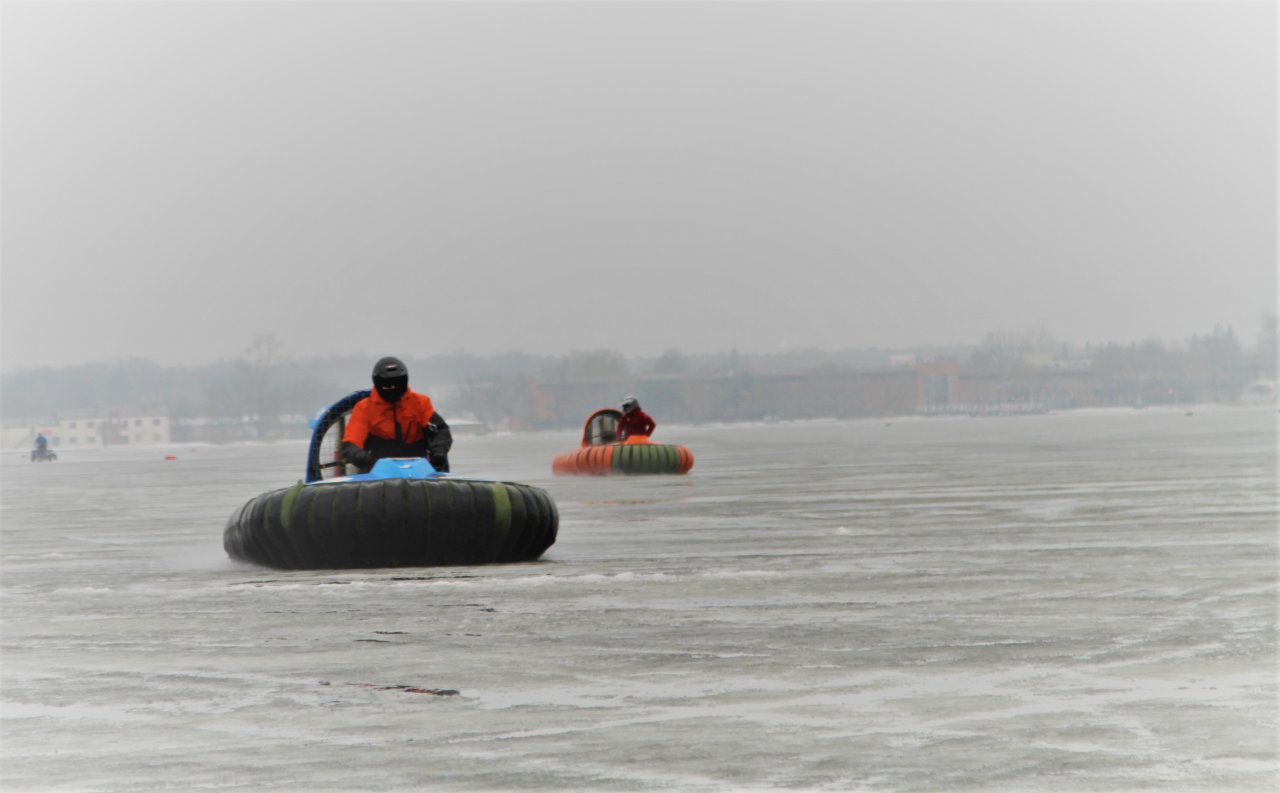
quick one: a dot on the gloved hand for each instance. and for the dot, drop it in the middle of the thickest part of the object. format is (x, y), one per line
(354, 455)
(440, 462)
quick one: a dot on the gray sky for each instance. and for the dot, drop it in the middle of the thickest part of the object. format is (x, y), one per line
(422, 178)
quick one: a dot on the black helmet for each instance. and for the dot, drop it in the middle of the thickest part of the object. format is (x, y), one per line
(390, 366)
(390, 378)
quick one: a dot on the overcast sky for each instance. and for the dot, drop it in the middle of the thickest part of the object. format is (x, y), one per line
(419, 178)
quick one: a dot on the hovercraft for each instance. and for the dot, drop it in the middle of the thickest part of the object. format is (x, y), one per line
(601, 452)
(401, 513)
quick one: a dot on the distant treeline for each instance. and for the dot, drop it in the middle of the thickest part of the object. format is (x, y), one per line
(267, 393)
(264, 381)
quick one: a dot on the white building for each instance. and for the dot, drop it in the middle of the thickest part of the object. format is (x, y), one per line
(91, 429)
(136, 429)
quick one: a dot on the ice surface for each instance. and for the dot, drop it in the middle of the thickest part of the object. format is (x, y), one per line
(1066, 602)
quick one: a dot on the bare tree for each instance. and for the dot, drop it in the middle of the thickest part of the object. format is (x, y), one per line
(1005, 351)
(258, 381)
(1265, 355)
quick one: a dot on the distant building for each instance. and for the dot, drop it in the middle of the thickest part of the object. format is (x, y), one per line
(936, 385)
(92, 429)
(22, 434)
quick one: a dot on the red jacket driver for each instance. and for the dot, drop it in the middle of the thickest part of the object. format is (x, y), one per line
(634, 421)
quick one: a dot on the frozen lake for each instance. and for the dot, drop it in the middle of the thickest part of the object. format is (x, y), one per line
(1068, 602)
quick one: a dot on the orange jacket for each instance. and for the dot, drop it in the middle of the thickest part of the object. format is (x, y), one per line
(374, 415)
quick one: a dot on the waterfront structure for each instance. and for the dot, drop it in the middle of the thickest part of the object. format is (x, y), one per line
(92, 429)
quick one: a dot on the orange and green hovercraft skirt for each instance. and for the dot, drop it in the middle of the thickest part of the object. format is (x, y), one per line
(602, 454)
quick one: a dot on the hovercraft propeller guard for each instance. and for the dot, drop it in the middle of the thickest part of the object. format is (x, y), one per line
(327, 446)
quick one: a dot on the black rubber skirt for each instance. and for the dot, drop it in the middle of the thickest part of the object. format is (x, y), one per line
(393, 523)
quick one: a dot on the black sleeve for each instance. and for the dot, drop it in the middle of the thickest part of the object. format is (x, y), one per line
(439, 437)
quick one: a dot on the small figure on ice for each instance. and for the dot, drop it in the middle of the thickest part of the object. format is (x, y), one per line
(41, 453)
